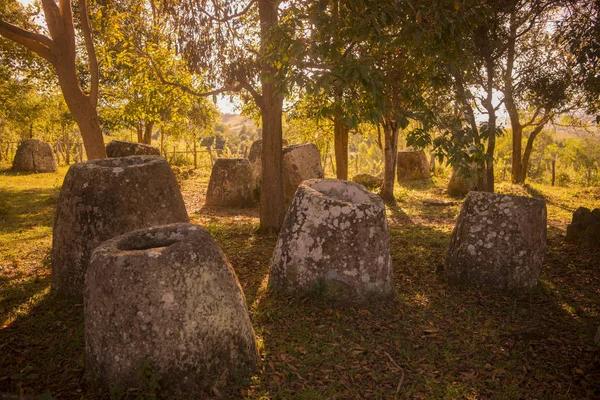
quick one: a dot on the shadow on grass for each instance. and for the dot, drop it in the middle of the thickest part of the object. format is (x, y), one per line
(44, 350)
(539, 195)
(251, 212)
(29, 207)
(420, 184)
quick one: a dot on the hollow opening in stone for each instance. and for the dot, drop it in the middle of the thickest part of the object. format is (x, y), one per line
(122, 162)
(146, 242)
(342, 191)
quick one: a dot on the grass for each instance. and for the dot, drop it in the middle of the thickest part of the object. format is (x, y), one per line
(431, 341)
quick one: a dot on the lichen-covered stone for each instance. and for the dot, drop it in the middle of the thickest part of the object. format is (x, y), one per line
(335, 237)
(412, 165)
(369, 181)
(101, 199)
(499, 242)
(33, 155)
(231, 184)
(300, 162)
(120, 148)
(585, 227)
(166, 299)
(462, 183)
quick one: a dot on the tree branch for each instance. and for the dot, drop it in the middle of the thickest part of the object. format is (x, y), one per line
(183, 87)
(89, 46)
(229, 17)
(38, 43)
(52, 15)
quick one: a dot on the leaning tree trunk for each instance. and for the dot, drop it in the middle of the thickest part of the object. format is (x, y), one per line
(390, 151)
(60, 50)
(272, 209)
(527, 152)
(83, 112)
(340, 142)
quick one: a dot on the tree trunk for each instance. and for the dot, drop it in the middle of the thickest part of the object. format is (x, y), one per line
(553, 171)
(195, 153)
(162, 143)
(390, 152)
(340, 141)
(491, 134)
(148, 126)
(139, 129)
(509, 102)
(527, 152)
(60, 51)
(272, 209)
(332, 164)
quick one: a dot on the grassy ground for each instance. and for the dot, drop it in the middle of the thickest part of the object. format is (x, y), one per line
(432, 341)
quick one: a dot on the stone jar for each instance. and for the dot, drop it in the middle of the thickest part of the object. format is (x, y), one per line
(300, 162)
(412, 165)
(499, 242)
(165, 299)
(33, 155)
(101, 199)
(231, 184)
(334, 239)
(120, 148)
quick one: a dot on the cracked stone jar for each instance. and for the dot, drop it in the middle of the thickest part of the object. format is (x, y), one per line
(499, 242)
(334, 239)
(164, 300)
(101, 199)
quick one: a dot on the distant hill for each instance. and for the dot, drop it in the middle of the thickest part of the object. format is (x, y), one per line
(236, 122)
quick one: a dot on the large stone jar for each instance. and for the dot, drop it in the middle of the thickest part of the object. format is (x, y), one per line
(412, 165)
(101, 199)
(499, 242)
(33, 155)
(166, 300)
(334, 239)
(300, 162)
(120, 148)
(231, 184)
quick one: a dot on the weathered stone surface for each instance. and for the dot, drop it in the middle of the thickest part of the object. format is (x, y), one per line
(585, 227)
(119, 148)
(499, 242)
(105, 198)
(300, 162)
(334, 237)
(166, 297)
(33, 155)
(231, 184)
(459, 184)
(412, 165)
(369, 181)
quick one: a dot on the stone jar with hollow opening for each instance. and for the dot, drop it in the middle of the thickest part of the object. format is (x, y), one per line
(334, 239)
(101, 199)
(166, 300)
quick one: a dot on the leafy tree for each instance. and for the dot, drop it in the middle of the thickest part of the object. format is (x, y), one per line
(579, 32)
(60, 50)
(235, 39)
